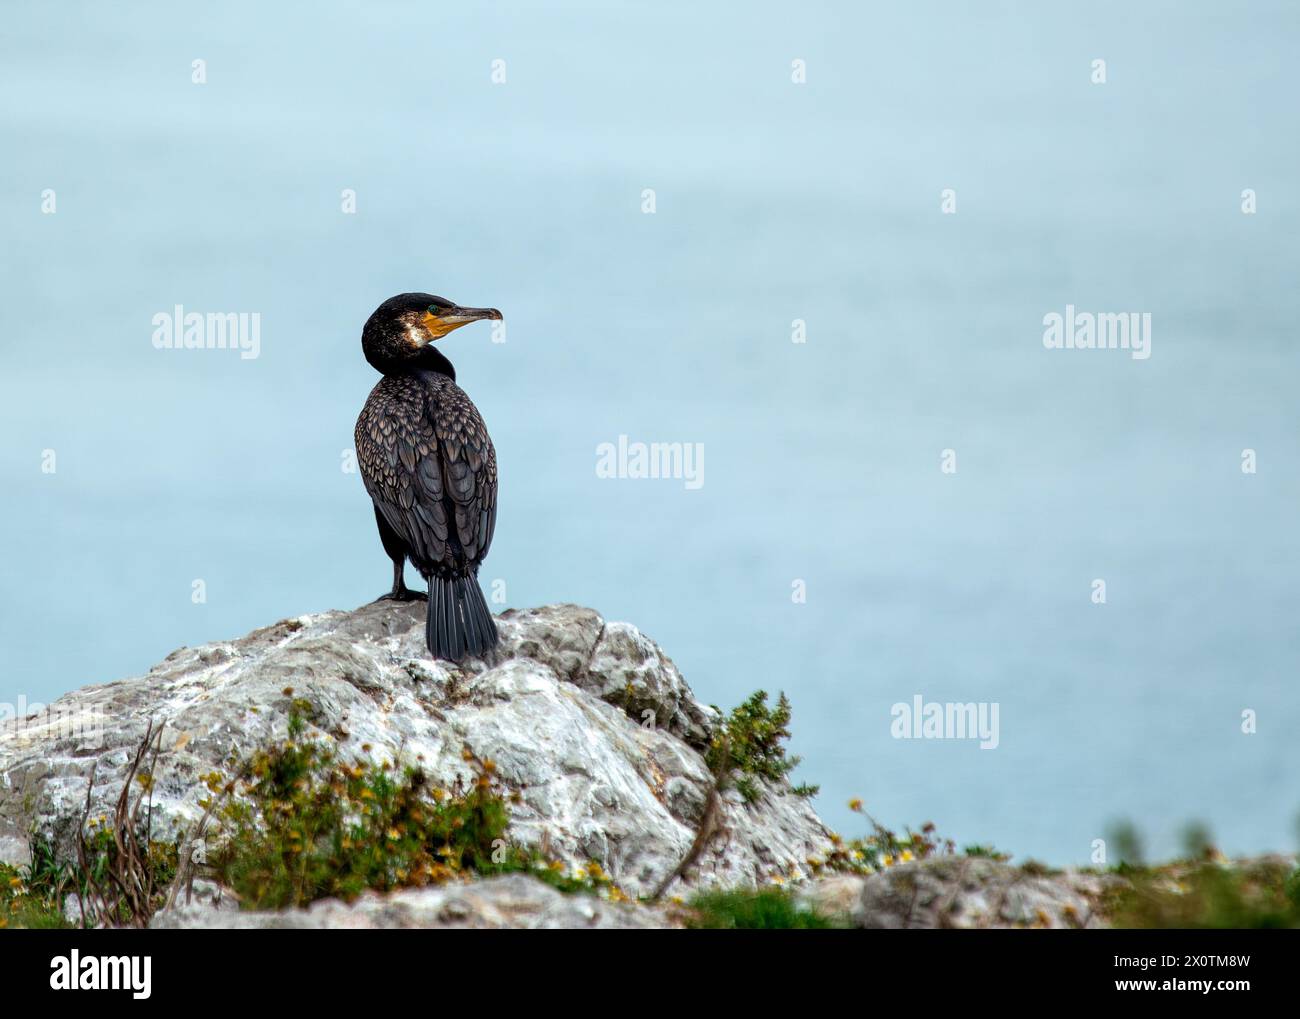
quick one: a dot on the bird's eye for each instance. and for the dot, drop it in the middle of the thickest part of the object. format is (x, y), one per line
(433, 310)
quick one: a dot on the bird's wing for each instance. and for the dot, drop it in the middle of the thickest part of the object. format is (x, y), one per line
(428, 464)
(469, 464)
(397, 451)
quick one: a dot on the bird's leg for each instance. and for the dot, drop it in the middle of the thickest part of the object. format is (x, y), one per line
(400, 591)
(396, 550)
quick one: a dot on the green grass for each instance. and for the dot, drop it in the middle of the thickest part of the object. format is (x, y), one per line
(767, 909)
(33, 896)
(986, 852)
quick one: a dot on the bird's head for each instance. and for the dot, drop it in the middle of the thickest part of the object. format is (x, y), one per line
(401, 329)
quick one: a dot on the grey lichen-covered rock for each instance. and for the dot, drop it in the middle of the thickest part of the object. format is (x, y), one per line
(511, 901)
(589, 721)
(965, 892)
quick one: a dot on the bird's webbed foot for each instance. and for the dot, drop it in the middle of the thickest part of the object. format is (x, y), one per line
(403, 593)
(400, 591)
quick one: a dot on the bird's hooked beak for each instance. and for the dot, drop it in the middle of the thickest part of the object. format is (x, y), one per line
(440, 321)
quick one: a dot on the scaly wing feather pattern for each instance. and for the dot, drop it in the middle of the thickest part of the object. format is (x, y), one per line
(469, 465)
(429, 466)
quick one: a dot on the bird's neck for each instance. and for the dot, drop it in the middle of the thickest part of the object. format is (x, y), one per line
(431, 359)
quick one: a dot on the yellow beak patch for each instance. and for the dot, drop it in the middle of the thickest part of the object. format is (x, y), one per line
(438, 327)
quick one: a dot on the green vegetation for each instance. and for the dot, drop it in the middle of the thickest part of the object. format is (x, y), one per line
(748, 909)
(303, 825)
(1203, 890)
(121, 873)
(1126, 841)
(297, 823)
(882, 848)
(124, 882)
(754, 736)
(35, 896)
(1259, 894)
(986, 852)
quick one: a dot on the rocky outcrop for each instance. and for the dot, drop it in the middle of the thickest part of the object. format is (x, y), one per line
(589, 721)
(511, 901)
(962, 892)
(940, 892)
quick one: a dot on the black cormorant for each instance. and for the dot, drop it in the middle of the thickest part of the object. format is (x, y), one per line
(429, 466)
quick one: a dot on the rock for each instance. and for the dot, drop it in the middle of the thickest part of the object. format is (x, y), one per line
(514, 900)
(835, 895)
(589, 721)
(72, 909)
(962, 891)
(206, 894)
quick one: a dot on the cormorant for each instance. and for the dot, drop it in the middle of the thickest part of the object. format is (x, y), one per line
(428, 464)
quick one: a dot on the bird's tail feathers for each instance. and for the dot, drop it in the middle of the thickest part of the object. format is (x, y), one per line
(459, 623)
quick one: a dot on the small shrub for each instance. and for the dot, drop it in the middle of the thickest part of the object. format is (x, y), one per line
(117, 894)
(122, 873)
(300, 824)
(33, 896)
(303, 825)
(882, 848)
(588, 878)
(755, 737)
